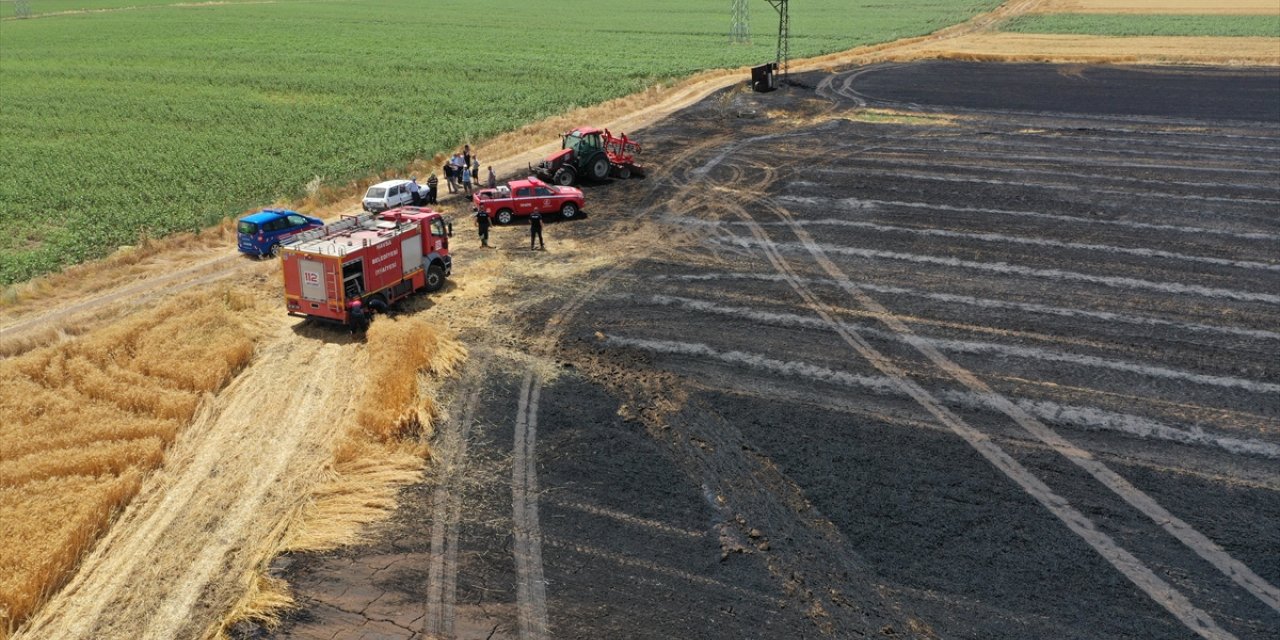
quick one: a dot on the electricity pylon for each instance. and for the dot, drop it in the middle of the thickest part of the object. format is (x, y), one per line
(740, 33)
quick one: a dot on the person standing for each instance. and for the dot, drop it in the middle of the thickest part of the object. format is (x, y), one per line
(482, 225)
(466, 155)
(357, 320)
(433, 188)
(415, 191)
(493, 180)
(466, 180)
(475, 169)
(535, 231)
(448, 177)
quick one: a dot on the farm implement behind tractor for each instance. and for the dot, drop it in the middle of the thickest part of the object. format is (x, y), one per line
(588, 152)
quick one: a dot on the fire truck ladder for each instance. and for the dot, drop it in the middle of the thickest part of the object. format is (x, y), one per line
(346, 223)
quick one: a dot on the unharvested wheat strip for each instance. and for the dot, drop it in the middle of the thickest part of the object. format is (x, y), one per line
(859, 203)
(1031, 307)
(1085, 417)
(1093, 189)
(1237, 571)
(1237, 7)
(966, 346)
(1171, 599)
(1004, 238)
(1119, 282)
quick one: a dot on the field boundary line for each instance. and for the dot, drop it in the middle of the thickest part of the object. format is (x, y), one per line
(1237, 571)
(1138, 573)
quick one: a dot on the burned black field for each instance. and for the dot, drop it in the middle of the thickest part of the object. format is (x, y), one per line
(931, 350)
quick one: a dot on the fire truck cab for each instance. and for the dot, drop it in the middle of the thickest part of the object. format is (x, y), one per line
(378, 259)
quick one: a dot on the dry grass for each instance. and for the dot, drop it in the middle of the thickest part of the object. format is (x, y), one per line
(87, 418)
(383, 449)
(1262, 7)
(126, 265)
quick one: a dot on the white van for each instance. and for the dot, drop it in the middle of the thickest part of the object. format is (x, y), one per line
(387, 195)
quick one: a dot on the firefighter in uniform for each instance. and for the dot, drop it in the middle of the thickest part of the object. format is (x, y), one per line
(482, 225)
(356, 316)
(535, 231)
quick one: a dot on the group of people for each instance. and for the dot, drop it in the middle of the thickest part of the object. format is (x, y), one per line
(422, 195)
(463, 169)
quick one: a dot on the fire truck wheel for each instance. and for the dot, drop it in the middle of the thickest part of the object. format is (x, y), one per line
(504, 216)
(563, 177)
(435, 278)
(569, 210)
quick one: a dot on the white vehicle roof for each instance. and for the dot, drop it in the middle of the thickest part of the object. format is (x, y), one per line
(387, 184)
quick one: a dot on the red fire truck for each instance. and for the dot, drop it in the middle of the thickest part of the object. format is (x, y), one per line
(375, 260)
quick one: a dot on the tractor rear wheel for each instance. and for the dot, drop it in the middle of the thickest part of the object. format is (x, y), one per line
(504, 216)
(599, 167)
(564, 176)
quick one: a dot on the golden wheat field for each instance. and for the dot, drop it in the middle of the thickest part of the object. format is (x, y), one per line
(1161, 6)
(86, 419)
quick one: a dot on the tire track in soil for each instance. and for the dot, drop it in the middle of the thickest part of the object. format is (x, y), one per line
(1143, 577)
(227, 487)
(446, 509)
(531, 606)
(1177, 604)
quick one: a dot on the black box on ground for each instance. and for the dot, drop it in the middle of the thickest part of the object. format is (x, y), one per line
(762, 77)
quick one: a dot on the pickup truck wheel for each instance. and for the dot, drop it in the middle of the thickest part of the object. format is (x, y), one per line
(504, 216)
(569, 210)
(599, 167)
(563, 177)
(435, 278)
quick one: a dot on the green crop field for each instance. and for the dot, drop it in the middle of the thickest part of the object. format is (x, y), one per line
(171, 117)
(1102, 24)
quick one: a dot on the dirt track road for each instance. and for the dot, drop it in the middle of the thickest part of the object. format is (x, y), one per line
(995, 363)
(187, 545)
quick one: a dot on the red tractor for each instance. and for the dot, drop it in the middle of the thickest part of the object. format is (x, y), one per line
(588, 152)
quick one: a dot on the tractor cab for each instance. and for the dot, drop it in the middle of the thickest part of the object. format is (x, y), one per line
(583, 142)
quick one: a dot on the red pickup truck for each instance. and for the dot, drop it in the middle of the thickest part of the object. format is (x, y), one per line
(523, 197)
